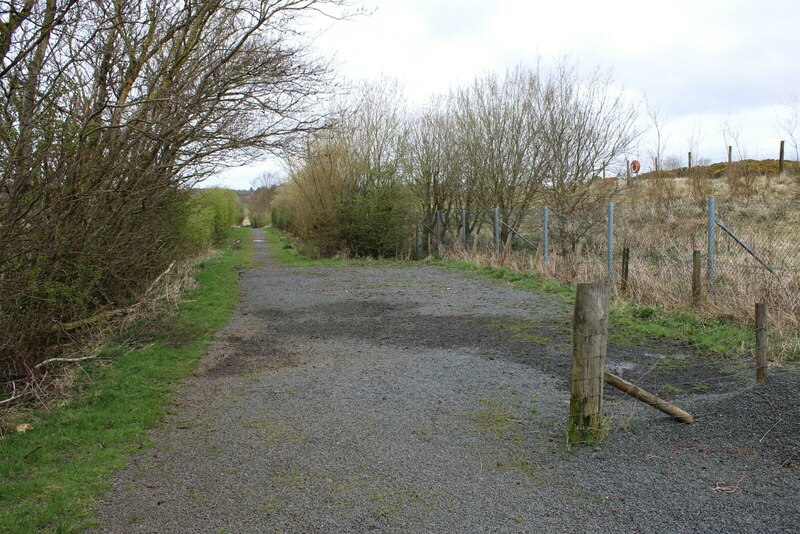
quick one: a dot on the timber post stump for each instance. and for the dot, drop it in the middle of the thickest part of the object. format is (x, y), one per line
(762, 343)
(697, 286)
(590, 337)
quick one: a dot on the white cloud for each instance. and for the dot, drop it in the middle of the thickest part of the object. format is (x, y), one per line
(700, 60)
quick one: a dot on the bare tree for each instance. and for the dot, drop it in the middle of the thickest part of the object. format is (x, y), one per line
(108, 110)
(589, 126)
(741, 180)
(699, 184)
(661, 187)
(432, 159)
(789, 125)
(497, 124)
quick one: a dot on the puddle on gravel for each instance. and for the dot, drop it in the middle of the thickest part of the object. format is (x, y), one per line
(620, 368)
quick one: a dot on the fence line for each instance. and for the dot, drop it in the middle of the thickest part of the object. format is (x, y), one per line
(659, 246)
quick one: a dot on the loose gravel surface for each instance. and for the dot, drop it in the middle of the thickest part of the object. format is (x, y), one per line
(423, 399)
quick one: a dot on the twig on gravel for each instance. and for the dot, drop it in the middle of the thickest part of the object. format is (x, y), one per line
(770, 429)
(728, 489)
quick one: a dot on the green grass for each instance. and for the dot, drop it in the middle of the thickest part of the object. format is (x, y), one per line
(51, 475)
(517, 279)
(631, 324)
(286, 251)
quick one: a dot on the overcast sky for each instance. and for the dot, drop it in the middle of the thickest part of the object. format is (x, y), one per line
(699, 61)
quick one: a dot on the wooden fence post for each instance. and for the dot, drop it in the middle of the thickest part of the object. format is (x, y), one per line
(626, 259)
(590, 335)
(761, 343)
(697, 283)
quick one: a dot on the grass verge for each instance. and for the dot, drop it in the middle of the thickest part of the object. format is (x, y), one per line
(631, 324)
(287, 251)
(50, 475)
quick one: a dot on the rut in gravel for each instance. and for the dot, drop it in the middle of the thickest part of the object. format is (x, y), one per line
(420, 399)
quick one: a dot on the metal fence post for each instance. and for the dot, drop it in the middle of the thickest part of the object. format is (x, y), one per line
(711, 228)
(437, 229)
(610, 247)
(545, 234)
(465, 226)
(497, 230)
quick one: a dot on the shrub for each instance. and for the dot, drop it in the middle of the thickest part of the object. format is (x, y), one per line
(223, 205)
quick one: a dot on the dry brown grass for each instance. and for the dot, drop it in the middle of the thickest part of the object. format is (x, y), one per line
(51, 383)
(661, 238)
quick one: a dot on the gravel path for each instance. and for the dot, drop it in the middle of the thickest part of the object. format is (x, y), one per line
(420, 399)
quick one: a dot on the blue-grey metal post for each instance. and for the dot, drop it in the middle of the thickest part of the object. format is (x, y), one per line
(437, 219)
(610, 250)
(465, 227)
(497, 230)
(545, 224)
(712, 223)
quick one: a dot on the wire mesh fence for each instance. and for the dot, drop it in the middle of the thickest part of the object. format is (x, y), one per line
(720, 258)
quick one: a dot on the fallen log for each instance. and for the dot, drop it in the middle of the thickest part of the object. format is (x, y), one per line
(648, 398)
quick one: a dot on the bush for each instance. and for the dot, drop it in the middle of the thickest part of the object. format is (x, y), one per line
(336, 204)
(376, 222)
(222, 205)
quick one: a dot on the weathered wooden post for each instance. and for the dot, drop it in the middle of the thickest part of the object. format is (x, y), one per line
(590, 335)
(648, 398)
(780, 160)
(626, 260)
(761, 343)
(697, 284)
